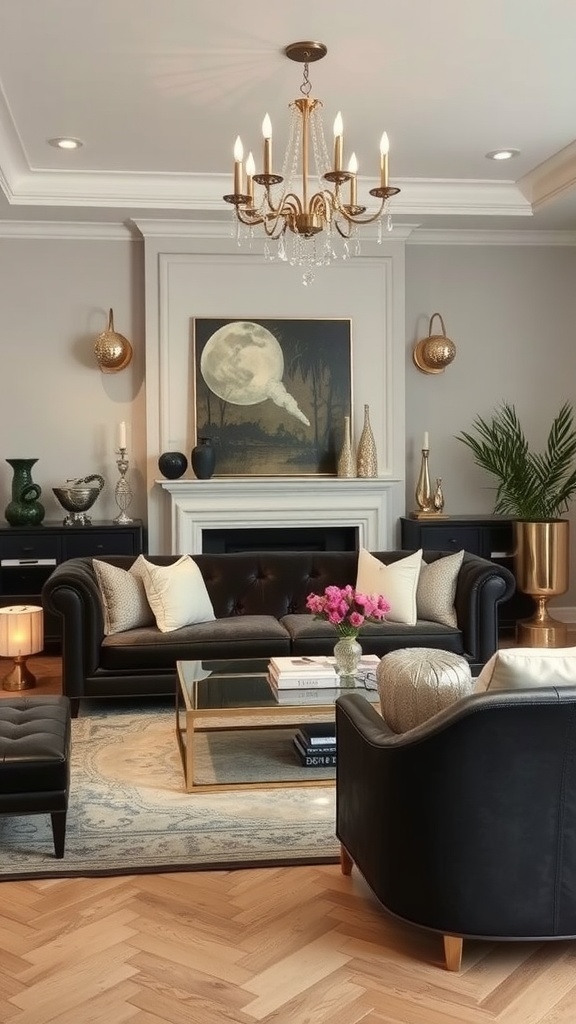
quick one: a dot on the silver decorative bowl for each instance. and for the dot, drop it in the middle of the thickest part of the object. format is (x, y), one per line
(77, 498)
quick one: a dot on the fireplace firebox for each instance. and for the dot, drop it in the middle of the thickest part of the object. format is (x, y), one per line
(309, 538)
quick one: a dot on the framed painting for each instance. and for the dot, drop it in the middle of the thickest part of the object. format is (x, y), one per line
(272, 394)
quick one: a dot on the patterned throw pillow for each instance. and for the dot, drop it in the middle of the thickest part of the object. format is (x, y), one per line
(123, 595)
(397, 582)
(177, 594)
(437, 589)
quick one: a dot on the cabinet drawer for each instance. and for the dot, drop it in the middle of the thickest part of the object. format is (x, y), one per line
(451, 538)
(108, 542)
(29, 545)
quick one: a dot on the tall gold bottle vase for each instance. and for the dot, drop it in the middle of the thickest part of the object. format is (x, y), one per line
(367, 457)
(541, 567)
(346, 462)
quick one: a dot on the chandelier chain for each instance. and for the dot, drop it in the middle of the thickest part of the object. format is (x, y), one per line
(306, 86)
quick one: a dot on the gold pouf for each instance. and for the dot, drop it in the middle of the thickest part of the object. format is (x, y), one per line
(415, 683)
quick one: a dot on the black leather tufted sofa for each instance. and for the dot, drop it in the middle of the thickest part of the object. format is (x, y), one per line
(465, 825)
(260, 603)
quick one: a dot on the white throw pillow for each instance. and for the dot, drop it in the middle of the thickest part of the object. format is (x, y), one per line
(519, 668)
(177, 594)
(396, 582)
(123, 595)
(437, 589)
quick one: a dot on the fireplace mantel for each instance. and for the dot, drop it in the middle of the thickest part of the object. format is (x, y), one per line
(251, 502)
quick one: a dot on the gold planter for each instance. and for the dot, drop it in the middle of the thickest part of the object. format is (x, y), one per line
(541, 563)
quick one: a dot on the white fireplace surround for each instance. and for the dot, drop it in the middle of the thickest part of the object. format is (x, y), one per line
(301, 502)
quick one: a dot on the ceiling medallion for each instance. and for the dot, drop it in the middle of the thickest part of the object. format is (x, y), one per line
(285, 202)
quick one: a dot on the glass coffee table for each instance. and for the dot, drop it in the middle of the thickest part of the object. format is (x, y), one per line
(233, 733)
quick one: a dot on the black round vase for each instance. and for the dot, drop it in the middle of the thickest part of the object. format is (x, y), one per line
(203, 458)
(172, 465)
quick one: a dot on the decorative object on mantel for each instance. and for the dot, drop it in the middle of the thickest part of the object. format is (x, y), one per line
(434, 353)
(77, 496)
(367, 457)
(172, 465)
(346, 461)
(24, 509)
(203, 458)
(113, 351)
(123, 491)
(430, 506)
(333, 213)
(347, 610)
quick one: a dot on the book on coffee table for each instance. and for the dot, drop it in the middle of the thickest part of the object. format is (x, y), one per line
(306, 673)
(315, 759)
(317, 734)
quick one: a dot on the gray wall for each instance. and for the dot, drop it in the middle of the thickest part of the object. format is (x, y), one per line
(511, 312)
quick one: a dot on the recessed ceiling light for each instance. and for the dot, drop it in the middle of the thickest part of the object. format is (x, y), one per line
(502, 154)
(63, 143)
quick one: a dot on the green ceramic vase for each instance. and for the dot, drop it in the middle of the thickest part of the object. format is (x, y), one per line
(24, 509)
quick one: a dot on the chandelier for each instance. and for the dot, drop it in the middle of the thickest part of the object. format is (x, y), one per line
(306, 213)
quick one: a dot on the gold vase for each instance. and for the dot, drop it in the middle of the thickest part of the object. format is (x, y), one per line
(541, 565)
(346, 459)
(367, 458)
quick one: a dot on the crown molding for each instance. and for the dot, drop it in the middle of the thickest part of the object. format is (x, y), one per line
(154, 228)
(551, 179)
(68, 230)
(456, 236)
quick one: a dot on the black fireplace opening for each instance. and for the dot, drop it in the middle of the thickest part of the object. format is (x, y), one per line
(280, 538)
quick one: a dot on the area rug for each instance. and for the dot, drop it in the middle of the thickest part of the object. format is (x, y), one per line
(129, 812)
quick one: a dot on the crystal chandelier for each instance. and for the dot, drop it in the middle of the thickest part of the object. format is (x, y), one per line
(326, 210)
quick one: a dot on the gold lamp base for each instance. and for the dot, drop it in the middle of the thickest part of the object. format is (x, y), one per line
(542, 630)
(20, 677)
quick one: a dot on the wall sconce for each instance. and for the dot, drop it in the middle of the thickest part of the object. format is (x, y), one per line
(113, 351)
(434, 353)
(21, 634)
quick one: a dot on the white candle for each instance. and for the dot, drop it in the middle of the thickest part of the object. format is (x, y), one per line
(426, 444)
(384, 149)
(122, 435)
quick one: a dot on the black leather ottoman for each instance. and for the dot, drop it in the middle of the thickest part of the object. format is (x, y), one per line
(35, 760)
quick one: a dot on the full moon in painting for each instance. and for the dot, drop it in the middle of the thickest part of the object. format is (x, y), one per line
(243, 363)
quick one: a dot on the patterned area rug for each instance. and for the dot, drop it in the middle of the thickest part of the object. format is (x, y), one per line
(129, 812)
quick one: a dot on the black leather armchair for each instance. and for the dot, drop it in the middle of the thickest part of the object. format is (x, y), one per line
(465, 825)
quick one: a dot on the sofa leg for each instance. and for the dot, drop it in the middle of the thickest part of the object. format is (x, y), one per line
(346, 862)
(74, 706)
(453, 952)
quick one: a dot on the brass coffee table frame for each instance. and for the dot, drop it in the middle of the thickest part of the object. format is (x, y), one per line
(191, 719)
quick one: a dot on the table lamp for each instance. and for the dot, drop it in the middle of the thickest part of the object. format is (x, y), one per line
(21, 634)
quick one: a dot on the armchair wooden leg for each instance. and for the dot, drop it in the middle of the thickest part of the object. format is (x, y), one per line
(453, 952)
(346, 862)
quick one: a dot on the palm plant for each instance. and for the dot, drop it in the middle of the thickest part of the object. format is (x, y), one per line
(533, 486)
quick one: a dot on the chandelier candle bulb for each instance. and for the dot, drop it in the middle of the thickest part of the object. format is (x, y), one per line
(267, 133)
(238, 158)
(122, 435)
(384, 149)
(426, 443)
(338, 141)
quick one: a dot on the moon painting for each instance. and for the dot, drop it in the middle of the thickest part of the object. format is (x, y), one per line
(272, 394)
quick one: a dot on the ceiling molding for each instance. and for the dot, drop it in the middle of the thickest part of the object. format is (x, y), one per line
(71, 230)
(456, 236)
(217, 229)
(551, 179)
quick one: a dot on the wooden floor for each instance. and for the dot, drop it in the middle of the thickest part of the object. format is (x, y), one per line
(289, 945)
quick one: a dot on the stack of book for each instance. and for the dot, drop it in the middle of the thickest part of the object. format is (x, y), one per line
(302, 673)
(315, 744)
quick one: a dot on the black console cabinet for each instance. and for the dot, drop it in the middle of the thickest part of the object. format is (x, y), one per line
(28, 555)
(488, 536)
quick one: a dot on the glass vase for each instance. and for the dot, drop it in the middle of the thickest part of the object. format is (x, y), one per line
(347, 653)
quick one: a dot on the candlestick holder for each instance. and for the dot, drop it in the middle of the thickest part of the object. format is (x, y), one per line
(429, 505)
(123, 492)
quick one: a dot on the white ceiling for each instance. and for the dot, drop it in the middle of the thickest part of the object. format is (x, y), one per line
(157, 90)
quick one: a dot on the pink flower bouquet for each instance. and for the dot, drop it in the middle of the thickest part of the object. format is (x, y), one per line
(346, 609)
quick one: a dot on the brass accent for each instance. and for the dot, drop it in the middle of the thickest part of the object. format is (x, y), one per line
(19, 677)
(541, 566)
(306, 52)
(434, 353)
(113, 351)
(453, 952)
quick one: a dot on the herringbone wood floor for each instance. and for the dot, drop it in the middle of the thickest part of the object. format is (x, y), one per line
(287, 945)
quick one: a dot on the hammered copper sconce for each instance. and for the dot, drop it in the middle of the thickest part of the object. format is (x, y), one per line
(434, 353)
(113, 351)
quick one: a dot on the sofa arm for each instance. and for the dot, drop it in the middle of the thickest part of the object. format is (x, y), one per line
(480, 588)
(71, 591)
